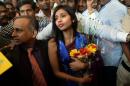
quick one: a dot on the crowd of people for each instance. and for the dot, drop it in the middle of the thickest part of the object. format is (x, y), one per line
(38, 36)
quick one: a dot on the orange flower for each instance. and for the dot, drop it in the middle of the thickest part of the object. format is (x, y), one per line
(91, 48)
(74, 52)
(83, 53)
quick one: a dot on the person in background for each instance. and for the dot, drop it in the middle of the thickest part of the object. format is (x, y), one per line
(28, 8)
(123, 72)
(66, 38)
(5, 26)
(57, 2)
(81, 22)
(127, 3)
(45, 9)
(13, 2)
(3, 15)
(122, 1)
(11, 10)
(82, 6)
(111, 14)
(52, 3)
(91, 11)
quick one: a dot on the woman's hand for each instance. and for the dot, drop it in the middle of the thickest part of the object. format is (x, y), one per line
(77, 65)
(86, 79)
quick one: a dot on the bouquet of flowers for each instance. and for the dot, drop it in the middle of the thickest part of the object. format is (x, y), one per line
(84, 54)
(90, 54)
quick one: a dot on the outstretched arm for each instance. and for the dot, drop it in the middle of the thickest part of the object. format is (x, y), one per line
(45, 33)
(95, 27)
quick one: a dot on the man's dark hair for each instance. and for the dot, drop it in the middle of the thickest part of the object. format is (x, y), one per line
(8, 3)
(2, 4)
(24, 2)
(76, 1)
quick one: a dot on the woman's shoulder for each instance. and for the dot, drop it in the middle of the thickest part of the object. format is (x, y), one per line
(52, 45)
(52, 42)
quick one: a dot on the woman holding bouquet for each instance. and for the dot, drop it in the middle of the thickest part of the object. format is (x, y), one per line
(66, 38)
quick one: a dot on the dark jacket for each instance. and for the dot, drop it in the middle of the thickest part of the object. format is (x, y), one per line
(21, 72)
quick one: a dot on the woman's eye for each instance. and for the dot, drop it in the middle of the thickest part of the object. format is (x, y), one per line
(63, 16)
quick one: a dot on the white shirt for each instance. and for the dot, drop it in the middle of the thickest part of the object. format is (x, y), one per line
(112, 14)
(92, 15)
(40, 14)
(87, 18)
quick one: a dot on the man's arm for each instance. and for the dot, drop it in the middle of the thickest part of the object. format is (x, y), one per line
(95, 27)
(45, 33)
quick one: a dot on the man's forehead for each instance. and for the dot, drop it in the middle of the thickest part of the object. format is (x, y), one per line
(26, 6)
(21, 22)
(17, 26)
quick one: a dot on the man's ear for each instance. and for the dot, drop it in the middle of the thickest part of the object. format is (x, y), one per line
(34, 33)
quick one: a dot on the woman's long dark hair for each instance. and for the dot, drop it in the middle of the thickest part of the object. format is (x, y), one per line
(58, 34)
